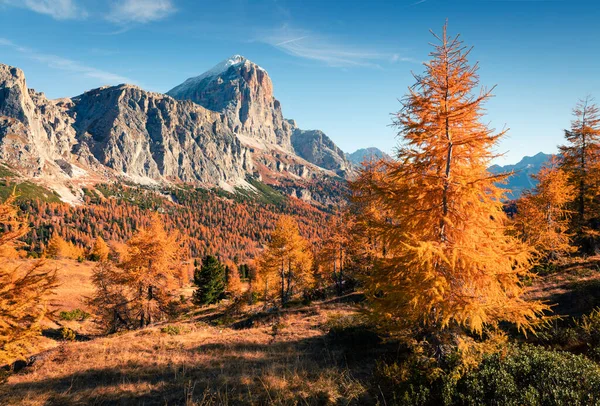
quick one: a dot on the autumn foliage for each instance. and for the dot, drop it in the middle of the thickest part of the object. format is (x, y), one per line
(445, 260)
(137, 291)
(285, 264)
(543, 217)
(24, 291)
(580, 160)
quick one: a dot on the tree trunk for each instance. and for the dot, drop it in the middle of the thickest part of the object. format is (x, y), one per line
(282, 282)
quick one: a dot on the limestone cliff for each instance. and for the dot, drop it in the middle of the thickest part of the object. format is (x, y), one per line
(243, 91)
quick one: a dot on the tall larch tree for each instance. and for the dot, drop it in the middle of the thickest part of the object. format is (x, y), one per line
(543, 216)
(100, 250)
(150, 271)
(234, 282)
(24, 291)
(334, 253)
(581, 161)
(447, 264)
(286, 259)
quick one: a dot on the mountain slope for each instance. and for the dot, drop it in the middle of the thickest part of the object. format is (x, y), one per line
(243, 92)
(123, 131)
(523, 170)
(319, 149)
(150, 135)
(35, 133)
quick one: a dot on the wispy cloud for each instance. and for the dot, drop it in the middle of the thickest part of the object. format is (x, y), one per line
(57, 9)
(140, 11)
(57, 62)
(308, 45)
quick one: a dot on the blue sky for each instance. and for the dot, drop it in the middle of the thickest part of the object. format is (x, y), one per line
(336, 66)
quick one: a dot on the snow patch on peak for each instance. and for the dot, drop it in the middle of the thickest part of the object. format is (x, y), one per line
(217, 70)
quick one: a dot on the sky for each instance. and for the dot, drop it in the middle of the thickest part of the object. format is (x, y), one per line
(337, 66)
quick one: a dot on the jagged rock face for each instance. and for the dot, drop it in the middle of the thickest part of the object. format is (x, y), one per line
(151, 135)
(317, 148)
(35, 133)
(243, 91)
(123, 128)
(111, 132)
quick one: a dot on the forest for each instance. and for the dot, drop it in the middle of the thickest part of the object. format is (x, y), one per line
(418, 284)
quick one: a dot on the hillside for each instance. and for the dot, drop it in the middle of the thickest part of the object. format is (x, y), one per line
(323, 353)
(206, 360)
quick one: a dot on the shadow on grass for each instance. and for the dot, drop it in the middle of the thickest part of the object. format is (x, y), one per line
(311, 371)
(580, 298)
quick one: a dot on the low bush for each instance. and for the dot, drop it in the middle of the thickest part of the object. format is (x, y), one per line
(75, 314)
(580, 335)
(523, 375)
(171, 330)
(67, 334)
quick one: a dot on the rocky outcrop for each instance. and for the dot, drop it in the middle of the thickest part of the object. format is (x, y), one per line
(35, 133)
(243, 91)
(145, 134)
(123, 131)
(120, 130)
(317, 148)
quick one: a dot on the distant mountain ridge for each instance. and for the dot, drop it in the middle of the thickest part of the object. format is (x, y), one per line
(216, 130)
(360, 155)
(523, 170)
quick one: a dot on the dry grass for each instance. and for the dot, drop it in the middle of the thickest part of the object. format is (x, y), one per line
(285, 360)
(573, 289)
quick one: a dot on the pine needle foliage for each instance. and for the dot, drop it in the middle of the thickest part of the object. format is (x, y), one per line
(210, 281)
(581, 161)
(24, 291)
(100, 250)
(285, 264)
(543, 215)
(446, 261)
(138, 290)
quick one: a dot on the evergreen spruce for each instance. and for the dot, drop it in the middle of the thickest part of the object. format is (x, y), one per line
(210, 281)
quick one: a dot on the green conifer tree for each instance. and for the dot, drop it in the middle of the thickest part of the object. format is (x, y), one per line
(209, 279)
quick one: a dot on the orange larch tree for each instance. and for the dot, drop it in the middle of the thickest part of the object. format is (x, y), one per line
(286, 259)
(138, 290)
(24, 291)
(150, 270)
(580, 159)
(543, 216)
(447, 263)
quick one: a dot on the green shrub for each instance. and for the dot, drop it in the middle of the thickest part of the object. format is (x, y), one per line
(531, 375)
(75, 314)
(525, 375)
(67, 334)
(171, 330)
(580, 335)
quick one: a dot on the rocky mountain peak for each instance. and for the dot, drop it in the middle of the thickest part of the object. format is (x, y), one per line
(34, 131)
(316, 147)
(243, 91)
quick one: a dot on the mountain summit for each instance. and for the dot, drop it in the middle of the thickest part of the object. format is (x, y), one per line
(243, 91)
(223, 127)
